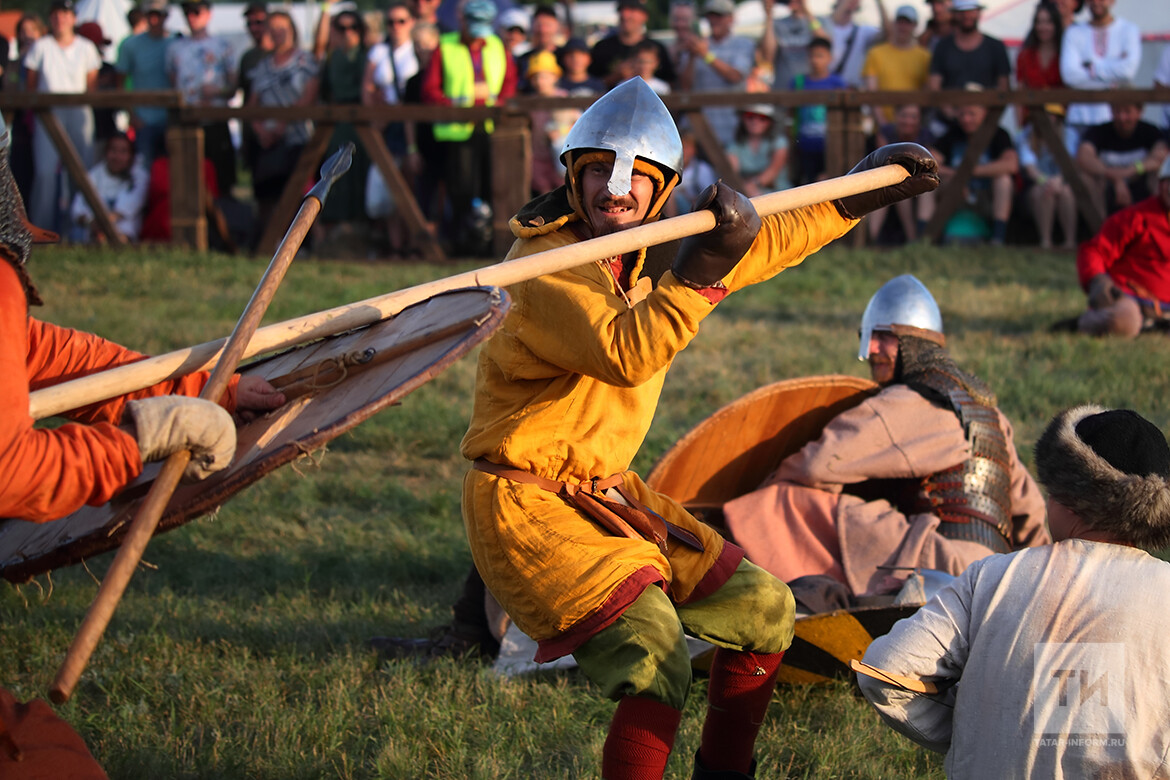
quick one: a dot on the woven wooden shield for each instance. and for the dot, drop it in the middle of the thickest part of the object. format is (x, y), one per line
(332, 385)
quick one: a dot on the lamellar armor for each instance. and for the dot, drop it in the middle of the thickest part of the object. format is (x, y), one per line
(972, 499)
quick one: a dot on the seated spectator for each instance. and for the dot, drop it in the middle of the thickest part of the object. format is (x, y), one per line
(697, 175)
(906, 127)
(645, 62)
(811, 121)
(1048, 193)
(575, 80)
(899, 64)
(989, 190)
(1125, 269)
(759, 153)
(156, 222)
(286, 77)
(122, 187)
(1051, 662)
(1121, 156)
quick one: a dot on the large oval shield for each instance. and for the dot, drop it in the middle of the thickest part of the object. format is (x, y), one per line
(332, 385)
(732, 451)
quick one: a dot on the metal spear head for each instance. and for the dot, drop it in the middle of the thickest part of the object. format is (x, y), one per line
(332, 170)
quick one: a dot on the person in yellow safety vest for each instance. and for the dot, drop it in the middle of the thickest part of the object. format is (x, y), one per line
(470, 68)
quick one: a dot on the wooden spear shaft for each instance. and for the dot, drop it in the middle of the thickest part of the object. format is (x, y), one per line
(150, 512)
(281, 335)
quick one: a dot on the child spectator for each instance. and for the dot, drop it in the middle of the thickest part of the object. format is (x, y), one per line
(1049, 194)
(759, 153)
(811, 122)
(645, 62)
(575, 81)
(122, 187)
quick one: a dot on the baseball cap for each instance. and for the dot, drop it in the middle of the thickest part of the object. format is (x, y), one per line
(966, 5)
(255, 8)
(513, 17)
(907, 12)
(93, 31)
(194, 5)
(61, 5)
(719, 7)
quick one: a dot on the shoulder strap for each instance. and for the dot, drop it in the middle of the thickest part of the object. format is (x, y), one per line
(848, 51)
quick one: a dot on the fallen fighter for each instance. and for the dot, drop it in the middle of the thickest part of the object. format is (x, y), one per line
(922, 475)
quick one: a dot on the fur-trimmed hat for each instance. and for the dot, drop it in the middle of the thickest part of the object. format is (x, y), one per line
(1112, 468)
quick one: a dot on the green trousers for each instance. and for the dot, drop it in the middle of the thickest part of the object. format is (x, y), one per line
(644, 653)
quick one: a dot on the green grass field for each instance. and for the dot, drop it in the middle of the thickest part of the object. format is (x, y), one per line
(239, 651)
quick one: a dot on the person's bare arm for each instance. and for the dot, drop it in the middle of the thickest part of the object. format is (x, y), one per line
(1007, 164)
(767, 45)
(884, 24)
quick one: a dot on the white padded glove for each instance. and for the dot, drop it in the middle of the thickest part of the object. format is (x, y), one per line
(172, 423)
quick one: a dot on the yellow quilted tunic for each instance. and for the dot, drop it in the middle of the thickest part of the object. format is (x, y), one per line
(566, 390)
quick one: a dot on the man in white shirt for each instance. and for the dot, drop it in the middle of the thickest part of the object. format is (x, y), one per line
(1102, 53)
(60, 62)
(1051, 662)
(852, 41)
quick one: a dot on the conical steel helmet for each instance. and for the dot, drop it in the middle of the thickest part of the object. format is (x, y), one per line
(631, 121)
(901, 301)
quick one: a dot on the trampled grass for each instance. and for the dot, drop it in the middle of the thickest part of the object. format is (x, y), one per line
(240, 652)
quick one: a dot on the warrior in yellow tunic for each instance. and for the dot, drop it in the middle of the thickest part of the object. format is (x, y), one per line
(585, 558)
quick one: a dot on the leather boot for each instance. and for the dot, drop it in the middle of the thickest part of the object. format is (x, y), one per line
(703, 773)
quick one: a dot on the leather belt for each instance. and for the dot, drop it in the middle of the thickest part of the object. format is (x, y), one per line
(628, 517)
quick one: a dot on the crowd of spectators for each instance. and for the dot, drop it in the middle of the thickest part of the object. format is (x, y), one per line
(484, 54)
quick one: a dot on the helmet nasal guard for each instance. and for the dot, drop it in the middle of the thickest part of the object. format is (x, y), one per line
(901, 301)
(631, 122)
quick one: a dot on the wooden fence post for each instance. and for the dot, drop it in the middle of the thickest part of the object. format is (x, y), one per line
(188, 191)
(511, 152)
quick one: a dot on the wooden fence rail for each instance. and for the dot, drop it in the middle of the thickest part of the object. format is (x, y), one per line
(510, 145)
